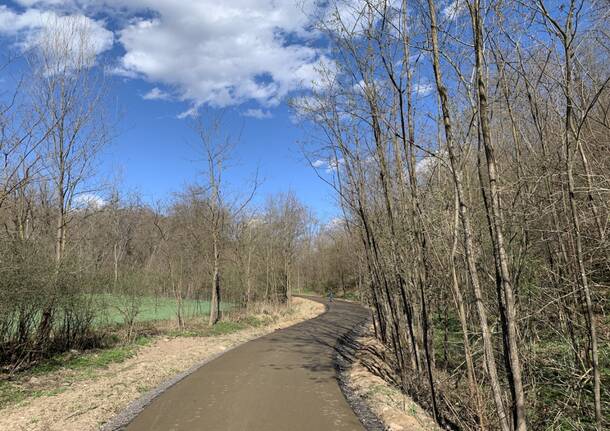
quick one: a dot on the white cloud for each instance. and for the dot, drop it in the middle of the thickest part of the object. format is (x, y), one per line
(219, 53)
(329, 166)
(189, 113)
(335, 223)
(348, 15)
(156, 94)
(424, 164)
(307, 106)
(428, 163)
(120, 71)
(258, 114)
(34, 27)
(359, 87)
(352, 16)
(454, 9)
(423, 88)
(89, 201)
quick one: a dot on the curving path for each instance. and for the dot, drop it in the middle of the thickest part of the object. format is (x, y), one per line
(284, 381)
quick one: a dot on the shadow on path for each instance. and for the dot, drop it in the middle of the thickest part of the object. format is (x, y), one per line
(284, 381)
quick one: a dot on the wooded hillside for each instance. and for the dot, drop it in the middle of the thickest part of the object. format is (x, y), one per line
(468, 143)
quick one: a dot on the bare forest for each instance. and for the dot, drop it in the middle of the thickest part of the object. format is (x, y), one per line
(467, 145)
(73, 269)
(469, 149)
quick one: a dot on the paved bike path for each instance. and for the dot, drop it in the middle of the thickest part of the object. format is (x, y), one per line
(284, 381)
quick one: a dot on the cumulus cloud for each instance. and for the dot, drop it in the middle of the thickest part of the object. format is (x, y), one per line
(219, 53)
(259, 114)
(306, 107)
(37, 27)
(424, 164)
(222, 53)
(335, 223)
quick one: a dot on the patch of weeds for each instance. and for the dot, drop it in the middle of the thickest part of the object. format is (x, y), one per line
(13, 393)
(350, 296)
(256, 321)
(143, 341)
(309, 292)
(186, 333)
(101, 358)
(84, 361)
(142, 388)
(381, 390)
(390, 394)
(225, 327)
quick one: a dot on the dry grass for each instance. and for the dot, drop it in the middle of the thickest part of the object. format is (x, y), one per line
(397, 411)
(83, 399)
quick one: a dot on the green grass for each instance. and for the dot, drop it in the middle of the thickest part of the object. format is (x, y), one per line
(227, 327)
(11, 393)
(90, 360)
(150, 308)
(223, 327)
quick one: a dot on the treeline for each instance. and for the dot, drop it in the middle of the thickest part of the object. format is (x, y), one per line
(73, 253)
(469, 145)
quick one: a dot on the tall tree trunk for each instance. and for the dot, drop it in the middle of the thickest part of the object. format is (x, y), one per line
(461, 309)
(503, 274)
(575, 220)
(469, 247)
(215, 299)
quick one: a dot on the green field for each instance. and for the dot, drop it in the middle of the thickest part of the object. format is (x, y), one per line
(150, 308)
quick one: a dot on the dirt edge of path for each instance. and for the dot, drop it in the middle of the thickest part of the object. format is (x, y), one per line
(379, 405)
(344, 361)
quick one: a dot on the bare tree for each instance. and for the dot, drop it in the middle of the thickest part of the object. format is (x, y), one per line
(217, 145)
(67, 91)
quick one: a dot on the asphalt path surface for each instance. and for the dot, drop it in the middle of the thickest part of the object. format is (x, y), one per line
(284, 381)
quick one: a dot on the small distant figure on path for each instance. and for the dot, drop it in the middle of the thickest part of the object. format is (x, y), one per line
(331, 296)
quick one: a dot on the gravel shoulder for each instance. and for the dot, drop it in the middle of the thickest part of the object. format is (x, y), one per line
(378, 402)
(90, 401)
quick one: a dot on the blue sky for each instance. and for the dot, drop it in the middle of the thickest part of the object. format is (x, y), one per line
(168, 59)
(154, 152)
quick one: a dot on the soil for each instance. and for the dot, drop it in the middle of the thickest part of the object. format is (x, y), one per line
(386, 402)
(87, 403)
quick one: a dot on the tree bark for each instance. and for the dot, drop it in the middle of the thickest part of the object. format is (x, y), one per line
(469, 247)
(495, 216)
